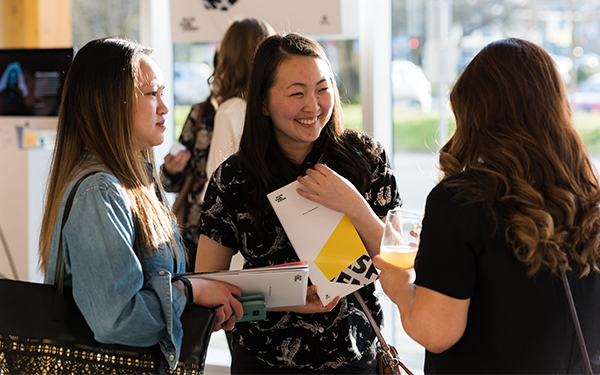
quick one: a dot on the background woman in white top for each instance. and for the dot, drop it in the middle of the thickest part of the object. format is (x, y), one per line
(212, 136)
(236, 52)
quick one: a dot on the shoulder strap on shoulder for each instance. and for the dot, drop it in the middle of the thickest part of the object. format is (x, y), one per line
(60, 259)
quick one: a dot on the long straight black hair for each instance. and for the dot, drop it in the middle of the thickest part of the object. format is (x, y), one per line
(261, 159)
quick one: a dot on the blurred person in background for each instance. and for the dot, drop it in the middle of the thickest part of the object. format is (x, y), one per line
(212, 129)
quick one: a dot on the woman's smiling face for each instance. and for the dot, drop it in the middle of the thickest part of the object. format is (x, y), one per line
(300, 103)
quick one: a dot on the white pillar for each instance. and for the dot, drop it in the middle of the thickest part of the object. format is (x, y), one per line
(375, 47)
(155, 31)
(445, 18)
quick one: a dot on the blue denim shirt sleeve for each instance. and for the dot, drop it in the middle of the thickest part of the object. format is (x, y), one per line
(120, 303)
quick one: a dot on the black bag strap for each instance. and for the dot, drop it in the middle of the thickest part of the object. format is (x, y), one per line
(59, 274)
(582, 347)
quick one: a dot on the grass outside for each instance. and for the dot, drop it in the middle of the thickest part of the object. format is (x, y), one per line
(588, 125)
(413, 130)
(179, 116)
(417, 132)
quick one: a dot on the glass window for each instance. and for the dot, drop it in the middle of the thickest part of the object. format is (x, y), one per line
(566, 29)
(193, 66)
(98, 19)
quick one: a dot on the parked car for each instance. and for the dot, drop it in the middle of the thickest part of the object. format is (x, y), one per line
(190, 82)
(587, 96)
(409, 85)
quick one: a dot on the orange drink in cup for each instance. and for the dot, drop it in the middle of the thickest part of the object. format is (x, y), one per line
(400, 240)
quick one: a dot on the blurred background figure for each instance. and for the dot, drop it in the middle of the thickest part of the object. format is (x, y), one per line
(213, 127)
(236, 52)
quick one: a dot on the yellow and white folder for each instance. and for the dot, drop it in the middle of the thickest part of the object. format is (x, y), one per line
(337, 259)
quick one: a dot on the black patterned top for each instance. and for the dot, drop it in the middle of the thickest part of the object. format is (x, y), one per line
(314, 342)
(199, 145)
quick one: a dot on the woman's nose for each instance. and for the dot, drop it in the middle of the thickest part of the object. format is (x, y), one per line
(162, 107)
(312, 104)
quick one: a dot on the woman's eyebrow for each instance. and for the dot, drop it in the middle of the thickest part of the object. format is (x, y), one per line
(304, 85)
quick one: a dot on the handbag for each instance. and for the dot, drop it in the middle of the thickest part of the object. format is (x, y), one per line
(582, 347)
(43, 331)
(181, 205)
(388, 360)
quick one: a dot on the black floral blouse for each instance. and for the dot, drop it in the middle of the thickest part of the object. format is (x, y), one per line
(313, 342)
(199, 144)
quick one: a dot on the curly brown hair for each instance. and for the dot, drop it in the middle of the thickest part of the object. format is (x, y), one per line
(513, 126)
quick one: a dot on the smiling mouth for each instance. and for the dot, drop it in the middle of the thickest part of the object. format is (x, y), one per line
(308, 121)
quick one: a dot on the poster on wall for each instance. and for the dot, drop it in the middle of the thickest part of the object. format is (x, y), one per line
(207, 20)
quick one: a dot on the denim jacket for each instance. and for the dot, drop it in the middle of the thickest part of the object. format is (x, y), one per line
(121, 303)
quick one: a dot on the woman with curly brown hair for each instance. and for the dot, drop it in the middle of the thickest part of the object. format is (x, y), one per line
(518, 201)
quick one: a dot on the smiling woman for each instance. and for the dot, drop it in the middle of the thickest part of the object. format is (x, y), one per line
(300, 104)
(292, 128)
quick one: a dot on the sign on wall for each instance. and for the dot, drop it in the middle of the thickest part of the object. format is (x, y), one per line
(207, 20)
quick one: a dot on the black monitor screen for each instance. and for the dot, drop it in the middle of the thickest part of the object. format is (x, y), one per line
(31, 80)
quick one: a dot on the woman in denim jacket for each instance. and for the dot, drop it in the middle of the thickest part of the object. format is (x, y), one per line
(110, 118)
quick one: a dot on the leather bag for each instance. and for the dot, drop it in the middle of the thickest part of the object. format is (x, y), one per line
(388, 360)
(43, 331)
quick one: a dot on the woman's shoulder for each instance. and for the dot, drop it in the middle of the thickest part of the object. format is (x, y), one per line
(231, 104)
(452, 189)
(449, 184)
(99, 182)
(97, 178)
(229, 169)
(363, 141)
(228, 179)
(206, 106)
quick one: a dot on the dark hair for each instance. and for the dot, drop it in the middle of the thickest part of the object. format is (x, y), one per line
(261, 159)
(514, 129)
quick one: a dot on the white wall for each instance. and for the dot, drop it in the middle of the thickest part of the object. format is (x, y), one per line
(24, 174)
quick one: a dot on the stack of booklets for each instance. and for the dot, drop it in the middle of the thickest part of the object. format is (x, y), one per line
(282, 285)
(337, 259)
